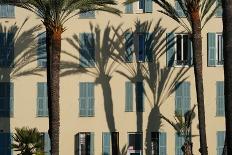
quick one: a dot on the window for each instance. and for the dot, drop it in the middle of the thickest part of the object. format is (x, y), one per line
(220, 106)
(215, 49)
(41, 51)
(135, 145)
(139, 95)
(179, 142)
(84, 143)
(6, 49)
(129, 8)
(6, 99)
(42, 100)
(5, 143)
(106, 142)
(158, 143)
(179, 50)
(179, 10)
(87, 50)
(221, 142)
(7, 11)
(144, 6)
(182, 98)
(129, 47)
(46, 143)
(219, 9)
(86, 99)
(87, 15)
(145, 47)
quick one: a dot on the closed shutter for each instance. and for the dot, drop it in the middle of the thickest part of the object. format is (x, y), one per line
(179, 141)
(129, 8)
(82, 100)
(220, 142)
(47, 144)
(129, 97)
(87, 15)
(162, 143)
(148, 6)
(129, 47)
(149, 47)
(220, 107)
(219, 9)
(42, 103)
(90, 99)
(186, 97)
(211, 49)
(41, 50)
(91, 143)
(7, 11)
(106, 143)
(139, 97)
(178, 99)
(170, 49)
(179, 10)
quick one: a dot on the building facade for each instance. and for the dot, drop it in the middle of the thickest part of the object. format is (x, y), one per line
(118, 75)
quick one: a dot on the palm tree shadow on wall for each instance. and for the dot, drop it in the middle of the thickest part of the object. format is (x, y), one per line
(160, 81)
(16, 52)
(102, 70)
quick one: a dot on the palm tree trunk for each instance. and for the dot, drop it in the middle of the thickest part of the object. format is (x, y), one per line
(227, 39)
(197, 61)
(54, 80)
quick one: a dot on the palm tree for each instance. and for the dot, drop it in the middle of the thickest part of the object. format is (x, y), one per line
(227, 38)
(183, 125)
(54, 14)
(197, 13)
(27, 141)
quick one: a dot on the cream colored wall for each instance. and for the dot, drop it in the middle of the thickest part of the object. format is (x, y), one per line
(25, 89)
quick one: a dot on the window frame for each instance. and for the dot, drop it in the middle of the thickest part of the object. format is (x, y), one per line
(221, 63)
(133, 150)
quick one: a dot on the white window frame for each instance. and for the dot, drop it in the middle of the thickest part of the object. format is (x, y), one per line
(217, 48)
(182, 47)
(137, 9)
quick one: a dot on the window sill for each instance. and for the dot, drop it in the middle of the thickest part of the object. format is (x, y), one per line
(7, 17)
(87, 17)
(181, 66)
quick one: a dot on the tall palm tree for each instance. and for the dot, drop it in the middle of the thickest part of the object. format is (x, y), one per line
(27, 141)
(227, 39)
(197, 13)
(54, 14)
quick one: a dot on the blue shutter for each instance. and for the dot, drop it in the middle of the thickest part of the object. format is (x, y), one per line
(149, 47)
(11, 99)
(220, 107)
(90, 99)
(179, 10)
(42, 104)
(41, 50)
(162, 143)
(129, 97)
(106, 143)
(87, 15)
(170, 49)
(129, 8)
(47, 144)
(82, 100)
(186, 97)
(7, 11)
(211, 49)
(91, 143)
(179, 141)
(139, 97)
(129, 47)
(219, 9)
(220, 142)
(178, 99)
(148, 6)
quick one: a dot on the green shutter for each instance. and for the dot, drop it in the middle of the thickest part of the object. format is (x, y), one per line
(90, 99)
(179, 141)
(211, 49)
(129, 47)
(178, 99)
(220, 106)
(91, 143)
(179, 10)
(219, 9)
(129, 8)
(149, 47)
(162, 143)
(139, 97)
(186, 97)
(42, 104)
(47, 144)
(41, 50)
(7, 11)
(106, 143)
(148, 6)
(220, 142)
(129, 97)
(82, 99)
(170, 49)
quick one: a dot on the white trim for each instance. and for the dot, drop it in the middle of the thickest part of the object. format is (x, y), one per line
(216, 50)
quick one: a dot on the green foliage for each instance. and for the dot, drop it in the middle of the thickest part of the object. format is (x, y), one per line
(27, 141)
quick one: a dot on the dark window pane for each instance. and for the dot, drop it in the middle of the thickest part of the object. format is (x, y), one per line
(141, 53)
(185, 48)
(178, 48)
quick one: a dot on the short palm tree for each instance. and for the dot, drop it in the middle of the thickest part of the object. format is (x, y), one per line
(227, 39)
(54, 14)
(27, 141)
(197, 13)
